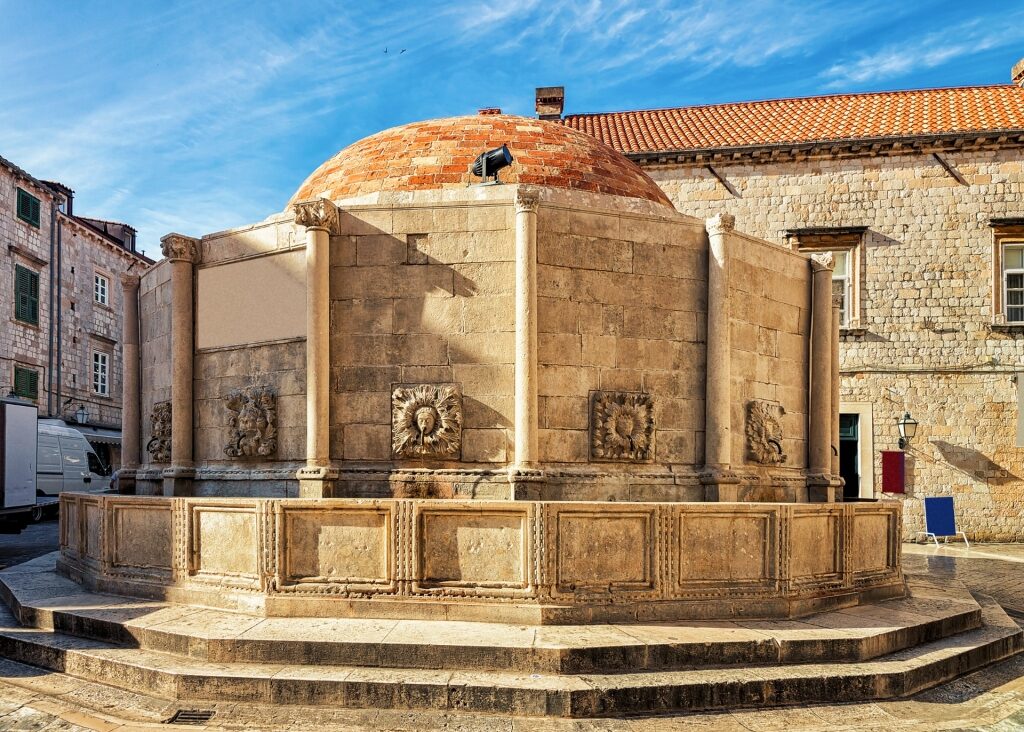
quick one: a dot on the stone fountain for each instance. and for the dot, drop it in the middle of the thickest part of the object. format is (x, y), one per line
(552, 402)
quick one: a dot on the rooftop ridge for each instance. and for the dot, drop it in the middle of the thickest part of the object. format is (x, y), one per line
(772, 100)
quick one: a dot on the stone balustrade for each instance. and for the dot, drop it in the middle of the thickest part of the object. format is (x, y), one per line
(512, 561)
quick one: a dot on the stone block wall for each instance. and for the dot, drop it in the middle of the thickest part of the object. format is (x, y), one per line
(155, 353)
(422, 295)
(769, 301)
(621, 308)
(422, 292)
(250, 330)
(926, 288)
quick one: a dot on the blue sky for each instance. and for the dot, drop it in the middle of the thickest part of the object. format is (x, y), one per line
(199, 116)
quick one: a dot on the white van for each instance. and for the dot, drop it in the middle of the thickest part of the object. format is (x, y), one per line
(67, 462)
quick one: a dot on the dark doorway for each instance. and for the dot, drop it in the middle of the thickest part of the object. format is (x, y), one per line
(849, 454)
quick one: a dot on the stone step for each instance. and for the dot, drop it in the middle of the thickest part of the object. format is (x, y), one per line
(43, 599)
(576, 695)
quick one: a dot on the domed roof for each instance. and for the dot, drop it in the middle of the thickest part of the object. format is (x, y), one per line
(438, 153)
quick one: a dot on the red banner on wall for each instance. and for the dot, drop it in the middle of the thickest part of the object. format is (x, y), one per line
(893, 471)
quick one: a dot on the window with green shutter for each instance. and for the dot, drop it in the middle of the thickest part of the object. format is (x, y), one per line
(26, 383)
(28, 207)
(26, 295)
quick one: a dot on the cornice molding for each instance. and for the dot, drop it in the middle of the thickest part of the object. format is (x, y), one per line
(831, 149)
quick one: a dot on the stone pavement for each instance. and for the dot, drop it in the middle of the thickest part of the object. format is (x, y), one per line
(991, 700)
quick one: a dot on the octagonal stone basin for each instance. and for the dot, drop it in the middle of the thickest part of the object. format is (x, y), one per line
(530, 562)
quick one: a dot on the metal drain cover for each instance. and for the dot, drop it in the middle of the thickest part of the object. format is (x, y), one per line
(191, 716)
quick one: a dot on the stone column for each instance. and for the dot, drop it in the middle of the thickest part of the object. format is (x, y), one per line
(130, 396)
(183, 254)
(526, 421)
(320, 217)
(720, 483)
(837, 302)
(819, 428)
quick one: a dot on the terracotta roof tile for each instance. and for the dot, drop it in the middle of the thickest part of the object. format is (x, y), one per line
(809, 119)
(438, 153)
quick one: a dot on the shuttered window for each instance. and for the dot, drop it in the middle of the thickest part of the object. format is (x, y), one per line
(28, 207)
(26, 295)
(26, 383)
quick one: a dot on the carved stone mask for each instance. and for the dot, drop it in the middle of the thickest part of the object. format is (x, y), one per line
(622, 426)
(426, 420)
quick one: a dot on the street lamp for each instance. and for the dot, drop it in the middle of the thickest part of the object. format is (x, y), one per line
(82, 414)
(908, 429)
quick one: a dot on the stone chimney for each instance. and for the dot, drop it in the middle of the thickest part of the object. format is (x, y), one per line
(550, 101)
(1016, 73)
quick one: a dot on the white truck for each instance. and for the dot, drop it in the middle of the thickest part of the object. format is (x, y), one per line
(39, 459)
(18, 431)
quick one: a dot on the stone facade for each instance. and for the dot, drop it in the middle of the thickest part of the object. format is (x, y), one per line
(86, 326)
(22, 344)
(423, 292)
(924, 340)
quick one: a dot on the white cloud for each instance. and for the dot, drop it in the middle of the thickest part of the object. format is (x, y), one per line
(201, 117)
(927, 52)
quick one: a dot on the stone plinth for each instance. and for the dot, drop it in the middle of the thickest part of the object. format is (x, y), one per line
(534, 562)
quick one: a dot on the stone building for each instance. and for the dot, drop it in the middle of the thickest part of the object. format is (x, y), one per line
(60, 346)
(545, 405)
(919, 195)
(597, 392)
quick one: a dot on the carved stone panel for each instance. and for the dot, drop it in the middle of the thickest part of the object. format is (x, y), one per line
(252, 424)
(764, 432)
(159, 445)
(621, 426)
(426, 421)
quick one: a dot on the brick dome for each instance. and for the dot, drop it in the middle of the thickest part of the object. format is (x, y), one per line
(438, 153)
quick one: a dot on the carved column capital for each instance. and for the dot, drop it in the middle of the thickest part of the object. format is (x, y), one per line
(719, 224)
(837, 302)
(130, 281)
(318, 213)
(178, 247)
(527, 200)
(822, 261)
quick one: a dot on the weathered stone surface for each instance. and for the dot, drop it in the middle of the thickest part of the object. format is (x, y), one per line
(252, 425)
(437, 555)
(159, 445)
(924, 301)
(765, 433)
(203, 656)
(621, 426)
